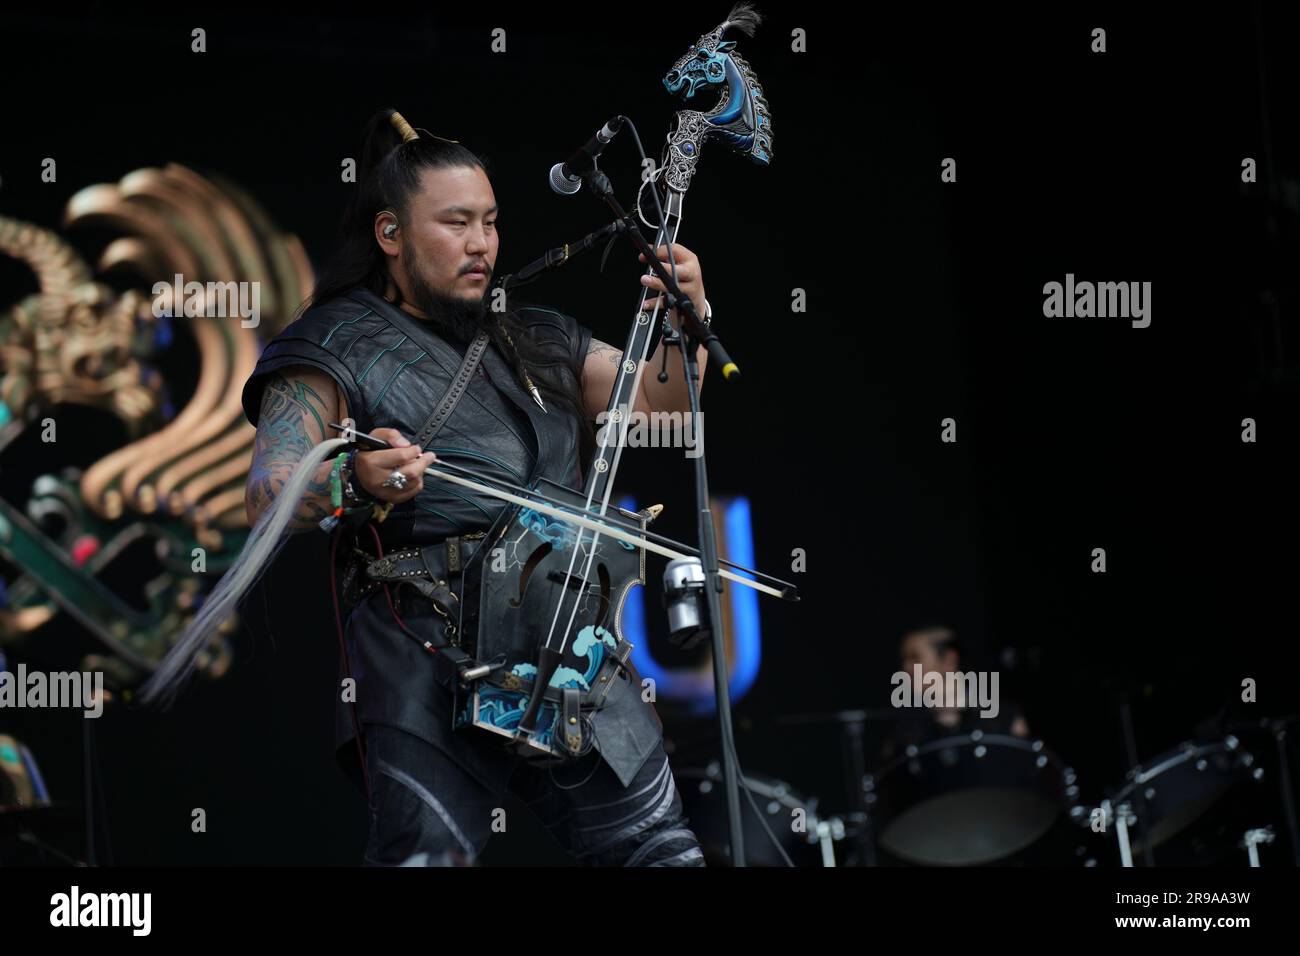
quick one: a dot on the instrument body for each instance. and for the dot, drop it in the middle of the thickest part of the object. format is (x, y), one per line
(529, 570)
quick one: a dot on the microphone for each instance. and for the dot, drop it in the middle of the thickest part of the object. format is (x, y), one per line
(684, 583)
(565, 177)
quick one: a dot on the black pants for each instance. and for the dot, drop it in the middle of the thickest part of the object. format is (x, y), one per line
(426, 810)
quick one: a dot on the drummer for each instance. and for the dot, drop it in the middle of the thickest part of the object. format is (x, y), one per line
(936, 650)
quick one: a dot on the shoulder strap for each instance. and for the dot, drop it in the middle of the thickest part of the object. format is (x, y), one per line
(457, 388)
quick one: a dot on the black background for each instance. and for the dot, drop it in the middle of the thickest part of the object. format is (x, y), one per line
(925, 302)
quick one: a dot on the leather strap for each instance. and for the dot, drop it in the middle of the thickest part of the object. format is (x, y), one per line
(449, 401)
(570, 724)
(364, 573)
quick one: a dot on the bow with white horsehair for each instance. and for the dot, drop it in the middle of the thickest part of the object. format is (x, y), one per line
(272, 530)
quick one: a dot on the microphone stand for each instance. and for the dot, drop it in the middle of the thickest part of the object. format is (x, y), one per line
(693, 334)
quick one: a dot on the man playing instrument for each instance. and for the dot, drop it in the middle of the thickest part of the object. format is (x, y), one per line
(390, 322)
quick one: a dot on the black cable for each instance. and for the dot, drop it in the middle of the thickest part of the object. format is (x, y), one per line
(744, 785)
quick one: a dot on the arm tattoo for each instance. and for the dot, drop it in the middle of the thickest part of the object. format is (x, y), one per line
(598, 347)
(615, 356)
(290, 425)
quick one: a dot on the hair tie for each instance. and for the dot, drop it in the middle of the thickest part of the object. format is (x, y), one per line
(403, 127)
(408, 133)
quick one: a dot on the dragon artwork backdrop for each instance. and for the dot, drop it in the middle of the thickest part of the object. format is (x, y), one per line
(92, 358)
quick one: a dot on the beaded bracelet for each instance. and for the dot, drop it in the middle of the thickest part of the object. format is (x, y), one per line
(350, 492)
(330, 522)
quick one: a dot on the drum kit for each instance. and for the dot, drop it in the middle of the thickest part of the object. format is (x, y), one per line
(978, 799)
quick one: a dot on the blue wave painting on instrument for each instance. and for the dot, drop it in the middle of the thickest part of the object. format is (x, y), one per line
(560, 534)
(694, 685)
(504, 708)
(534, 549)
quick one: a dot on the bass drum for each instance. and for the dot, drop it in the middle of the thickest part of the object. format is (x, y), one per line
(1194, 803)
(976, 799)
(704, 799)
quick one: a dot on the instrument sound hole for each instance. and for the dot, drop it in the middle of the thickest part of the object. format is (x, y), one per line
(534, 559)
(603, 573)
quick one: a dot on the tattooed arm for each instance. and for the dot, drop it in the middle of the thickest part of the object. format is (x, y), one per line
(298, 402)
(603, 361)
(601, 369)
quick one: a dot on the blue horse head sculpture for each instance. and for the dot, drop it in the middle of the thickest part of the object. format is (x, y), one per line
(740, 118)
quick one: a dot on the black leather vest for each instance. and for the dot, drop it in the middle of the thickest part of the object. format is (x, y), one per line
(394, 369)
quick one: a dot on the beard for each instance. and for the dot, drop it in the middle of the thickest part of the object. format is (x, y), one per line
(459, 318)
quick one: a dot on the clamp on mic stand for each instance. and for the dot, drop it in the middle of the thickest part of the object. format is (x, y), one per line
(694, 332)
(560, 255)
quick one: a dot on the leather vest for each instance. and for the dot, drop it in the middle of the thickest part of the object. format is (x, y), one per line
(394, 369)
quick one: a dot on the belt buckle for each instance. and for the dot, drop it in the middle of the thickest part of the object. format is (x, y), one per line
(381, 568)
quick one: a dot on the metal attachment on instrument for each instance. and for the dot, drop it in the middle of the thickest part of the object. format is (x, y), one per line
(651, 512)
(474, 673)
(469, 674)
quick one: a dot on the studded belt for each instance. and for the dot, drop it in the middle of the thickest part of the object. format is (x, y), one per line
(427, 568)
